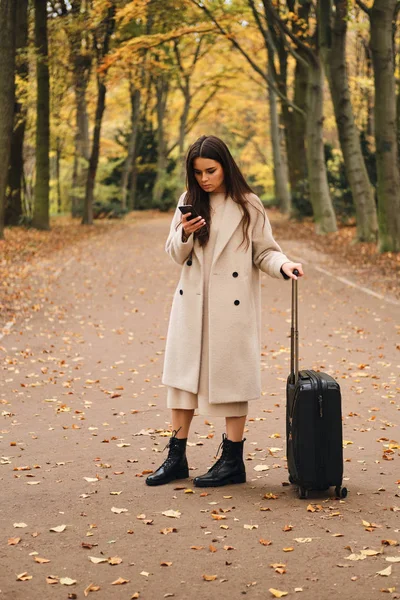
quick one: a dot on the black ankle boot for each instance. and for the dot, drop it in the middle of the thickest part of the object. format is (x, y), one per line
(228, 469)
(175, 466)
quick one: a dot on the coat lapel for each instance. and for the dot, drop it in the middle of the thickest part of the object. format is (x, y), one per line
(230, 221)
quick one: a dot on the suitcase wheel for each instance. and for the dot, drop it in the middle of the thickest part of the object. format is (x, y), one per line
(303, 493)
(340, 493)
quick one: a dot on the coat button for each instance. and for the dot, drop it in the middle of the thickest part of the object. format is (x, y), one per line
(181, 292)
(237, 302)
(235, 274)
(189, 263)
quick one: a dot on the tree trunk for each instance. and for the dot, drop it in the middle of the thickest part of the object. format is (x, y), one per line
(381, 17)
(280, 173)
(7, 94)
(94, 157)
(333, 52)
(42, 185)
(101, 45)
(324, 215)
(135, 96)
(162, 88)
(81, 61)
(15, 171)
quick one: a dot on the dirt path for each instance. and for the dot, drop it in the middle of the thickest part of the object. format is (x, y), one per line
(81, 397)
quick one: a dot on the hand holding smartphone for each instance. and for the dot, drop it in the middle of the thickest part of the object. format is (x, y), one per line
(191, 221)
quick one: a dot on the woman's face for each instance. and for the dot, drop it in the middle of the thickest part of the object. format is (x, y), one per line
(209, 174)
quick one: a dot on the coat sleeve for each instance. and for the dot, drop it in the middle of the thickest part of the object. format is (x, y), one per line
(267, 254)
(175, 247)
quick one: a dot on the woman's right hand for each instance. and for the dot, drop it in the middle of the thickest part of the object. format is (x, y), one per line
(193, 225)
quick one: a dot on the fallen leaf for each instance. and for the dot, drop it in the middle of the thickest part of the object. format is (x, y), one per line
(288, 549)
(287, 528)
(355, 557)
(165, 563)
(261, 468)
(250, 526)
(120, 581)
(114, 560)
(118, 511)
(91, 588)
(303, 540)
(389, 590)
(209, 577)
(20, 525)
(51, 579)
(96, 560)
(13, 541)
(24, 576)
(389, 542)
(385, 572)
(41, 561)
(67, 581)
(91, 479)
(277, 593)
(212, 548)
(265, 542)
(167, 530)
(59, 528)
(393, 559)
(145, 573)
(174, 514)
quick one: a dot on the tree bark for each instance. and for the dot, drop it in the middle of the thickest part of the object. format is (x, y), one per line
(81, 61)
(135, 96)
(162, 89)
(324, 215)
(333, 51)
(94, 157)
(15, 172)
(280, 173)
(7, 94)
(101, 47)
(381, 18)
(42, 185)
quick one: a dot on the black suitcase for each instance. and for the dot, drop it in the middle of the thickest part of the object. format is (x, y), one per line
(314, 444)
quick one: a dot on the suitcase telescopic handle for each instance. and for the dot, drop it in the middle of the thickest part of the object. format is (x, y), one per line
(294, 332)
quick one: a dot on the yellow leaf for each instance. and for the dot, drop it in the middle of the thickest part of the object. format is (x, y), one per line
(120, 581)
(165, 563)
(385, 572)
(67, 581)
(41, 560)
(24, 576)
(91, 588)
(277, 593)
(288, 549)
(209, 577)
(13, 541)
(51, 579)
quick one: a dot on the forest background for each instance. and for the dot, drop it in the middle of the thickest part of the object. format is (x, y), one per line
(100, 99)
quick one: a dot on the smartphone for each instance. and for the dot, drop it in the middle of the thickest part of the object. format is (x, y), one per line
(188, 208)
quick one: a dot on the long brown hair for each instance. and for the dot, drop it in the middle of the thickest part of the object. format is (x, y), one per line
(235, 184)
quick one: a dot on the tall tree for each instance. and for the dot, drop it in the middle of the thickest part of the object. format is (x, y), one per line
(7, 93)
(101, 42)
(308, 46)
(81, 59)
(42, 186)
(381, 16)
(333, 51)
(16, 168)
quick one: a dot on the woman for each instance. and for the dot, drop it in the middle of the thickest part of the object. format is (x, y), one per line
(212, 357)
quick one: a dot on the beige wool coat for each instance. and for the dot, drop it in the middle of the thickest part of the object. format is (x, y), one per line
(234, 306)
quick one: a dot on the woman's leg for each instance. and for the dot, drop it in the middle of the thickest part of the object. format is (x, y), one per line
(181, 420)
(235, 428)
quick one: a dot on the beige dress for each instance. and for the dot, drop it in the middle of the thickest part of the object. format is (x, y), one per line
(177, 398)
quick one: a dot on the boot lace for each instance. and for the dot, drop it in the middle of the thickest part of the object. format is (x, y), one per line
(173, 451)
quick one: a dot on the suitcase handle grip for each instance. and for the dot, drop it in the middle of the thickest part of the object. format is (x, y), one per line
(294, 332)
